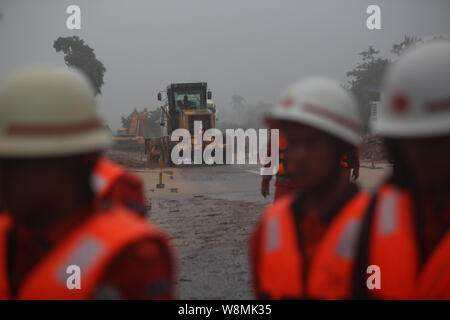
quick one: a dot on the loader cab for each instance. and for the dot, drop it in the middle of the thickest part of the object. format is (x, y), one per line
(186, 97)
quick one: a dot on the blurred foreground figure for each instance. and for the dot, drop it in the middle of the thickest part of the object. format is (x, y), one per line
(283, 180)
(57, 240)
(321, 123)
(115, 183)
(406, 232)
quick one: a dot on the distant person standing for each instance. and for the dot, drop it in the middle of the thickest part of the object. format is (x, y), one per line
(350, 163)
(283, 181)
(186, 102)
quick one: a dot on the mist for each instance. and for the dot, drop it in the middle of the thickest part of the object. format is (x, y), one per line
(253, 48)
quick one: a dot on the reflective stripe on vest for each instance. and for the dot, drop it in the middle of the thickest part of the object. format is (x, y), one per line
(393, 247)
(346, 246)
(388, 212)
(280, 267)
(333, 263)
(105, 174)
(91, 247)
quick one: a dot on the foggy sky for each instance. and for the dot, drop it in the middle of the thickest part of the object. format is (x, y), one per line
(255, 48)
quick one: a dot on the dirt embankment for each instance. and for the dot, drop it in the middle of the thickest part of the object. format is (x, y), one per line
(131, 160)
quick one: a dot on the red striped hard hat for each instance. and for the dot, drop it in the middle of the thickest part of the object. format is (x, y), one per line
(49, 112)
(322, 103)
(416, 99)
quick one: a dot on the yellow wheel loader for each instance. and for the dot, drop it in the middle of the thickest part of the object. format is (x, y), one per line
(184, 104)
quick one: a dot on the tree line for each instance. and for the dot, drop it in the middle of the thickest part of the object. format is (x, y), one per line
(363, 80)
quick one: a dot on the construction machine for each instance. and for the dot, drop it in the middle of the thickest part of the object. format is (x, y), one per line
(134, 137)
(184, 103)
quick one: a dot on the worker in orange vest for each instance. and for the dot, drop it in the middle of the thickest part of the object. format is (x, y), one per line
(350, 163)
(57, 240)
(403, 247)
(320, 122)
(115, 183)
(283, 182)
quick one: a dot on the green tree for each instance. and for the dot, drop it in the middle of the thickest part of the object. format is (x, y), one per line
(237, 102)
(407, 41)
(80, 55)
(153, 123)
(108, 128)
(365, 79)
(126, 121)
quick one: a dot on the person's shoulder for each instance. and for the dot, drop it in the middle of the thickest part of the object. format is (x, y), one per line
(119, 215)
(145, 252)
(143, 270)
(279, 208)
(5, 218)
(104, 162)
(124, 175)
(356, 204)
(153, 238)
(129, 179)
(284, 201)
(280, 205)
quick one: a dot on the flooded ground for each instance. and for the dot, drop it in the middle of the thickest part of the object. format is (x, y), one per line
(210, 212)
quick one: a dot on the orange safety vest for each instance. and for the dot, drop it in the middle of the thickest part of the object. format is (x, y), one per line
(91, 247)
(279, 269)
(105, 175)
(282, 156)
(392, 245)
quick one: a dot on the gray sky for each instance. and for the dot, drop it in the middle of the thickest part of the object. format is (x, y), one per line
(255, 48)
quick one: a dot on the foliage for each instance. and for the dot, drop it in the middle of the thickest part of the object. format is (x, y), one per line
(399, 48)
(126, 121)
(80, 55)
(237, 102)
(365, 79)
(152, 121)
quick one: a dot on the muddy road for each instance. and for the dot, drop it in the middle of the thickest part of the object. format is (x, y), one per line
(210, 212)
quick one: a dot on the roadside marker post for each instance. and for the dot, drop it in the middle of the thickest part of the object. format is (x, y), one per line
(160, 185)
(373, 160)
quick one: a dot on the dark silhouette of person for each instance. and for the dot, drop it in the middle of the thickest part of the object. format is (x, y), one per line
(186, 101)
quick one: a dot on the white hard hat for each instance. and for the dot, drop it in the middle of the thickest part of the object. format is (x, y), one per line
(416, 99)
(322, 103)
(49, 112)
